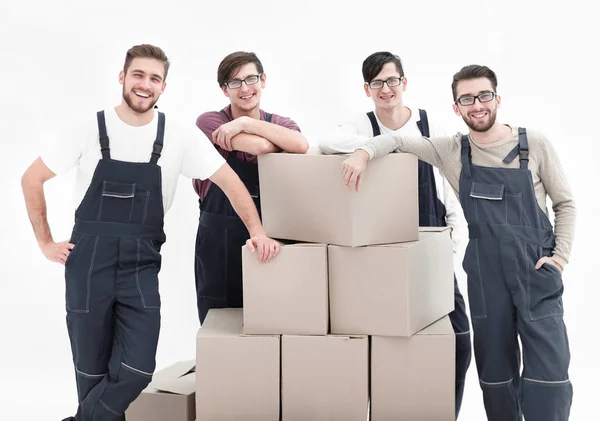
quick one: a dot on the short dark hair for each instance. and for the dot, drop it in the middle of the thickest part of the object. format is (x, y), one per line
(375, 62)
(230, 64)
(146, 51)
(473, 71)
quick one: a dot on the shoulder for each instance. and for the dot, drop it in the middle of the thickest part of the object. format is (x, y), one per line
(361, 121)
(283, 121)
(536, 137)
(210, 119)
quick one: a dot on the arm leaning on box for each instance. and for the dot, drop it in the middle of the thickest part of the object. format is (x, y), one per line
(436, 151)
(260, 137)
(242, 203)
(346, 138)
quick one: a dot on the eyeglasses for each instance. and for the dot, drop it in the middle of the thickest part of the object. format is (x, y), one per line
(470, 100)
(237, 83)
(391, 82)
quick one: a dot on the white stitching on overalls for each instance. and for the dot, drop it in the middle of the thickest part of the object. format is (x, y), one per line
(135, 370)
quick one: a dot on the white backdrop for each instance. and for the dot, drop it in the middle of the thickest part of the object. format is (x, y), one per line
(60, 60)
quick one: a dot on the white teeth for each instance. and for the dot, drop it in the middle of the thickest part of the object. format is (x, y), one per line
(246, 97)
(143, 95)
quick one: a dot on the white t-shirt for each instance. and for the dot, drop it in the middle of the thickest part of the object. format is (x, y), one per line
(353, 134)
(185, 151)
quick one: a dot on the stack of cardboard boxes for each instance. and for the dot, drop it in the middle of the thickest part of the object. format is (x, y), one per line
(351, 316)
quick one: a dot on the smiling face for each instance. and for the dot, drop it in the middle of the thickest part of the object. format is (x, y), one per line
(386, 97)
(143, 83)
(246, 98)
(479, 117)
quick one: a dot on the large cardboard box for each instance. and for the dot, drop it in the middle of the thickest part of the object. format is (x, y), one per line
(412, 379)
(288, 294)
(324, 378)
(237, 376)
(391, 290)
(170, 396)
(304, 198)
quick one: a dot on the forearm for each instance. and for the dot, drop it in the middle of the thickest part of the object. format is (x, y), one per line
(240, 199)
(253, 144)
(244, 206)
(564, 229)
(342, 143)
(35, 202)
(288, 140)
(424, 148)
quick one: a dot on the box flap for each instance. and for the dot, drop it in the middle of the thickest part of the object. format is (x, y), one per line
(440, 327)
(185, 385)
(174, 371)
(433, 229)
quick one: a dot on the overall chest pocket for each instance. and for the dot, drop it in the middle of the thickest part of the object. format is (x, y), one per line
(123, 202)
(489, 202)
(493, 204)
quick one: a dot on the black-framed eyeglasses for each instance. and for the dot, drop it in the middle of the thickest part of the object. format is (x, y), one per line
(470, 99)
(237, 83)
(390, 82)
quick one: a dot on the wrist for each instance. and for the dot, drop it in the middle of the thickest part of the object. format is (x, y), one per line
(257, 231)
(362, 154)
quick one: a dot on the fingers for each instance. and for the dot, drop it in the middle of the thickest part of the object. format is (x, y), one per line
(346, 174)
(353, 180)
(358, 181)
(539, 263)
(250, 245)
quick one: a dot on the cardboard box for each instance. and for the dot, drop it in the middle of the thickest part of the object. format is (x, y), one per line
(324, 378)
(412, 379)
(304, 198)
(170, 396)
(391, 290)
(237, 376)
(289, 294)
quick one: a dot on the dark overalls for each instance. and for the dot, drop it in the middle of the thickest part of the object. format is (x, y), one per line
(112, 298)
(432, 213)
(508, 234)
(221, 235)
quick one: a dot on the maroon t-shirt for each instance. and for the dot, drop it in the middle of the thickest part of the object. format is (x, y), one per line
(212, 120)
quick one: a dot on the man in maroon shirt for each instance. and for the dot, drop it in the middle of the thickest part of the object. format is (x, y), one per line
(240, 132)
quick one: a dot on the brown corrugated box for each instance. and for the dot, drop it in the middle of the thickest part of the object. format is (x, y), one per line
(288, 294)
(391, 290)
(324, 378)
(237, 376)
(170, 396)
(412, 379)
(304, 198)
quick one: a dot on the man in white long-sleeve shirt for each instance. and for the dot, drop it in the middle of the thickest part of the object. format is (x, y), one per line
(384, 83)
(515, 257)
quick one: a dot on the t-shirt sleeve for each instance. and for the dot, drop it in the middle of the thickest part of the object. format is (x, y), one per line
(286, 122)
(209, 122)
(200, 159)
(62, 151)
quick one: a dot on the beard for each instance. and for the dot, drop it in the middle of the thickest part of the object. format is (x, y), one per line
(481, 126)
(130, 103)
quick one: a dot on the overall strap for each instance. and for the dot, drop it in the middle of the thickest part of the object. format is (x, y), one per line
(523, 148)
(104, 144)
(160, 136)
(423, 123)
(374, 125)
(465, 155)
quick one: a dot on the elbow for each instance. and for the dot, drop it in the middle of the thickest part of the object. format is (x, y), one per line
(302, 146)
(264, 147)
